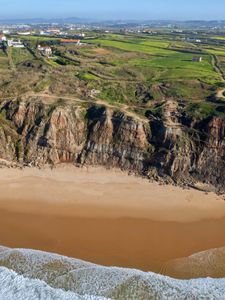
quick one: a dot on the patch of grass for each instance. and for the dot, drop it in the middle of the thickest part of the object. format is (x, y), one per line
(3, 114)
(222, 38)
(2, 54)
(42, 85)
(112, 94)
(202, 110)
(4, 63)
(36, 38)
(88, 76)
(127, 46)
(177, 66)
(64, 62)
(20, 55)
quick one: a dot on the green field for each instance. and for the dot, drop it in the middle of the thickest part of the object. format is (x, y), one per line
(35, 38)
(222, 38)
(4, 63)
(152, 48)
(138, 70)
(162, 62)
(20, 55)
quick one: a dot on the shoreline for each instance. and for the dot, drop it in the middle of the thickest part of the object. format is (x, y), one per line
(107, 217)
(113, 193)
(197, 185)
(132, 243)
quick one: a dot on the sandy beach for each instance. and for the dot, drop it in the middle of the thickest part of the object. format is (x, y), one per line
(107, 217)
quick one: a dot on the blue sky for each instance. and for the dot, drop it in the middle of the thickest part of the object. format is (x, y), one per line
(115, 9)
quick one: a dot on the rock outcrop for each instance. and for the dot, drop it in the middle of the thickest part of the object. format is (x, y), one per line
(173, 148)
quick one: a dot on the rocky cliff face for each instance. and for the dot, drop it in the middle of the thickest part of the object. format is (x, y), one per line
(173, 148)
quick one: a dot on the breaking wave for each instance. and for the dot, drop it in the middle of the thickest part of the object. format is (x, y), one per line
(14, 286)
(29, 274)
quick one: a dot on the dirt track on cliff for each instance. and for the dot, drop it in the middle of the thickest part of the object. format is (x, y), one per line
(122, 107)
(220, 94)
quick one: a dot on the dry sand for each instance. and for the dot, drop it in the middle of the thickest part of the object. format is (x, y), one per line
(107, 217)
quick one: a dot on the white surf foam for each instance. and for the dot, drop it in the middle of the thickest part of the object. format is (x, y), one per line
(83, 278)
(16, 287)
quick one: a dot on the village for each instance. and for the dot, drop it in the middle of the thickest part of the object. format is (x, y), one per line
(47, 50)
(4, 42)
(42, 48)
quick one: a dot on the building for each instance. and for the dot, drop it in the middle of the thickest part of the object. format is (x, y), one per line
(46, 50)
(2, 38)
(50, 32)
(70, 42)
(24, 33)
(197, 59)
(3, 42)
(15, 44)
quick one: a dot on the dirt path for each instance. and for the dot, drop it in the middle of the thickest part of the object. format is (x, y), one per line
(215, 63)
(216, 66)
(123, 108)
(220, 94)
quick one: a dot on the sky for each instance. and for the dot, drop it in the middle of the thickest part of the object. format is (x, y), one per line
(115, 9)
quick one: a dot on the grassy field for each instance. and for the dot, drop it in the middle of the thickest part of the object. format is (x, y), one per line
(221, 38)
(162, 62)
(179, 66)
(20, 55)
(135, 46)
(133, 69)
(4, 63)
(35, 38)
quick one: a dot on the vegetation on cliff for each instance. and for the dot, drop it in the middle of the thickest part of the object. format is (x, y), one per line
(129, 101)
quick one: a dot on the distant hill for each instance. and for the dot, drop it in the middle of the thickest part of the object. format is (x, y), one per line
(44, 20)
(119, 22)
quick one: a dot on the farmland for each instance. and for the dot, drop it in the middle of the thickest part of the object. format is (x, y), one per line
(136, 70)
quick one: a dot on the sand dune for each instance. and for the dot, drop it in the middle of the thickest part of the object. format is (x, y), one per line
(125, 221)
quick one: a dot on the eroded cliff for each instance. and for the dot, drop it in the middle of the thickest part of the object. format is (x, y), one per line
(171, 148)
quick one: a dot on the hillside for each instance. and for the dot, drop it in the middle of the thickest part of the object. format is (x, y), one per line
(133, 102)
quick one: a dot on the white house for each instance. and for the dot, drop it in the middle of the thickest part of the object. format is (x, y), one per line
(2, 38)
(24, 33)
(15, 44)
(197, 59)
(46, 50)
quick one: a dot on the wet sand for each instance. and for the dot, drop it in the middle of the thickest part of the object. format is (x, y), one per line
(107, 217)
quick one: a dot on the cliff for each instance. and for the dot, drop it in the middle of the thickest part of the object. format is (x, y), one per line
(171, 148)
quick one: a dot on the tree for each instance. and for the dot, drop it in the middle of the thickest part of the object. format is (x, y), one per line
(4, 46)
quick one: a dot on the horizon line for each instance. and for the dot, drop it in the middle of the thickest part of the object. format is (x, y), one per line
(112, 19)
